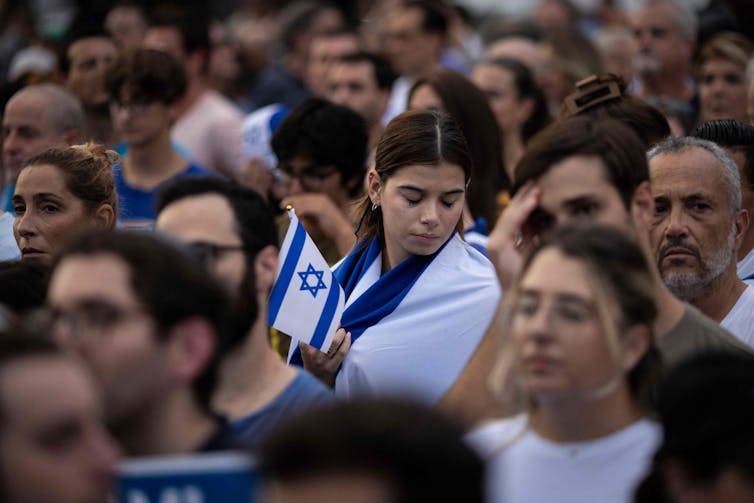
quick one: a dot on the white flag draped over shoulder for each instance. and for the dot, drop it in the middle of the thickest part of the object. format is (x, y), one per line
(306, 301)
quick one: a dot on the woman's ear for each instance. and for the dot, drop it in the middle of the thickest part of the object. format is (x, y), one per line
(374, 187)
(104, 216)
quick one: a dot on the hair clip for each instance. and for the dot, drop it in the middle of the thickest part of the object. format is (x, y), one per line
(590, 92)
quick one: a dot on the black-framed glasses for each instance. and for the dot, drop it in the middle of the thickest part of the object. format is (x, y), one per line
(92, 317)
(135, 106)
(310, 177)
(207, 253)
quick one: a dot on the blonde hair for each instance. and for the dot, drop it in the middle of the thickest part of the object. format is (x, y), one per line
(617, 270)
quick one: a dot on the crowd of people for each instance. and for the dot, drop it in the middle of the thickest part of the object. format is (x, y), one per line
(541, 225)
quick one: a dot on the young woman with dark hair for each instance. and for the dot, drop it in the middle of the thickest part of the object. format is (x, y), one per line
(418, 297)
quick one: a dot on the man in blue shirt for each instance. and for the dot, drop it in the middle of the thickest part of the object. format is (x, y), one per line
(235, 230)
(144, 85)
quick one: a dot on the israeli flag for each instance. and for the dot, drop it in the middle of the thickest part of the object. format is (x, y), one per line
(306, 301)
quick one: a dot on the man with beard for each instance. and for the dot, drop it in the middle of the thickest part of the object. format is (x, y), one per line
(150, 325)
(698, 228)
(665, 31)
(580, 169)
(235, 230)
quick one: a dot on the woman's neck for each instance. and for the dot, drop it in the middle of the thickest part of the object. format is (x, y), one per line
(583, 418)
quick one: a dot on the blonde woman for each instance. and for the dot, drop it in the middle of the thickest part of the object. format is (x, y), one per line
(580, 362)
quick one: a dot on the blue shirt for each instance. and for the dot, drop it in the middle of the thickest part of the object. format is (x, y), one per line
(304, 392)
(136, 207)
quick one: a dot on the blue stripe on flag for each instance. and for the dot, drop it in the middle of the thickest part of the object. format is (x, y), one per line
(325, 319)
(286, 273)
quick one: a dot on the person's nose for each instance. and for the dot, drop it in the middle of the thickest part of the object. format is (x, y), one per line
(430, 214)
(26, 224)
(676, 224)
(11, 143)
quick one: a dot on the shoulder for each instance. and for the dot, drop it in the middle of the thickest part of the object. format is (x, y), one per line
(307, 387)
(490, 437)
(695, 333)
(197, 170)
(221, 107)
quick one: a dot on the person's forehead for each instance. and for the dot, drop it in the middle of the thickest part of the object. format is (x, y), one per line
(102, 276)
(572, 177)
(30, 108)
(571, 275)
(91, 45)
(656, 16)
(165, 38)
(353, 70)
(203, 217)
(693, 169)
(407, 18)
(42, 179)
(32, 388)
(334, 45)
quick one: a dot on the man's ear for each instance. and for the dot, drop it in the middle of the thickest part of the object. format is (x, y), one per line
(635, 343)
(741, 223)
(191, 346)
(374, 187)
(72, 137)
(265, 268)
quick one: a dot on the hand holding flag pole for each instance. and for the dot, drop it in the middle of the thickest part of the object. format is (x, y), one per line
(306, 301)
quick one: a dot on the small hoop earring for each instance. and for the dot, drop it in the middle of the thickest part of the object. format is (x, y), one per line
(374, 206)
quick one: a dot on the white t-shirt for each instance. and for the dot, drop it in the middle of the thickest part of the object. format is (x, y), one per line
(745, 267)
(210, 131)
(524, 467)
(740, 319)
(8, 247)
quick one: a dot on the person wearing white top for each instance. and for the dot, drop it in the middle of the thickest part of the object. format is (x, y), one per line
(740, 319)
(580, 361)
(699, 226)
(418, 297)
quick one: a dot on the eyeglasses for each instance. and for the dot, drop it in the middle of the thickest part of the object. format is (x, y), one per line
(92, 317)
(207, 252)
(135, 107)
(310, 177)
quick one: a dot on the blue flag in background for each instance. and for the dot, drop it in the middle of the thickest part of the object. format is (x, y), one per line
(306, 301)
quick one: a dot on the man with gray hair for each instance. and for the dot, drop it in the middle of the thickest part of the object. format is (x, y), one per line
(698, 227)
(665, 31)
(36, 118)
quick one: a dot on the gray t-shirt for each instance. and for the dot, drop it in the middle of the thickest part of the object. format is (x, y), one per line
(695, 333)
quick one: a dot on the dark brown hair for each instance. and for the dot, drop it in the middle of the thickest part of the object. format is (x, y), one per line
(471, 110)
(423, 137)
(526, 87)
(614, 143)
(147, 75)
(605, 96)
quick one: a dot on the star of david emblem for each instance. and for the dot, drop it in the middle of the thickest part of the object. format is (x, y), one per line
(313, 289)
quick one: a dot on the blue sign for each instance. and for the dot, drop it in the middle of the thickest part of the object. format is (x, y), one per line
(201, 478)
